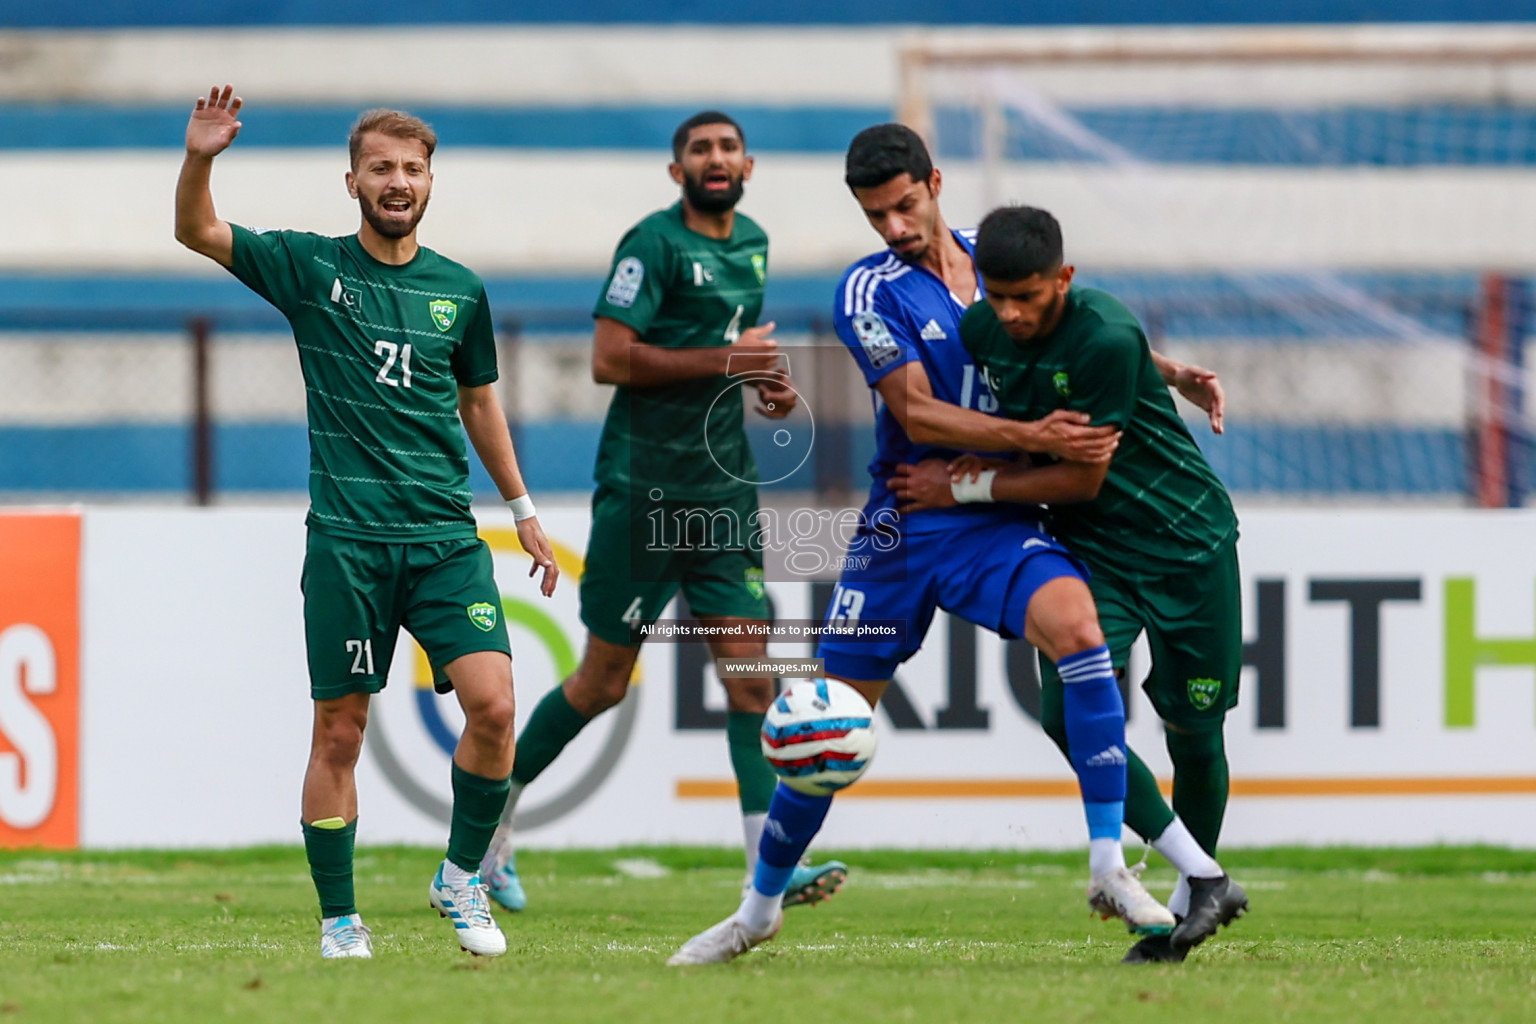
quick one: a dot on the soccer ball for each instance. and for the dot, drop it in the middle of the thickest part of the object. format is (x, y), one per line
(819, 736)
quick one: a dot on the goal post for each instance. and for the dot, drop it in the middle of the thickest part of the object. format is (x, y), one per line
(1314, 210)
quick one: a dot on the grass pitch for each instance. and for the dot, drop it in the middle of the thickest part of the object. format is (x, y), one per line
(1358, 935)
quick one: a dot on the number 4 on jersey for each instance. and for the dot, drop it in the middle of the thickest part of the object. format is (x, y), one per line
(632, 615)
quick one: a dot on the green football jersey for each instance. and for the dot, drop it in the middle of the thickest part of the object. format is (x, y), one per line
(384, 350)
(680, 289)
(1161, 504)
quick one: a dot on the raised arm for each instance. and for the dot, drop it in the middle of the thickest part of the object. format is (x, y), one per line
(620, 357)
(486, 425)
(213, 126)
(908, 393)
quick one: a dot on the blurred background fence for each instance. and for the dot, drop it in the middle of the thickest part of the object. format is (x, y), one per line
(200, 394)
(1340, 221)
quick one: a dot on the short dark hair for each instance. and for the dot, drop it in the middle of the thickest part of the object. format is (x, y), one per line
(703, 117)
(397, 124)
(1017, 242)
(878, 154)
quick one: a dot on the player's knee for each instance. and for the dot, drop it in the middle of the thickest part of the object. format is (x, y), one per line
(338, 740)
(596, 688)
(1195, 750)
(752, 696)
(493, 719)
(1062, 621)
(1078, 635)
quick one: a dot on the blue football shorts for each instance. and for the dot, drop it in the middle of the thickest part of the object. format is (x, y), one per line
(984, 571)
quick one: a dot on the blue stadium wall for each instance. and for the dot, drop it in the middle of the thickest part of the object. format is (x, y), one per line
(109, 14)
(1283, 458)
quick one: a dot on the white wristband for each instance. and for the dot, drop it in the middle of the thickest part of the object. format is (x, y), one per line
(967, 490)
(522, 508)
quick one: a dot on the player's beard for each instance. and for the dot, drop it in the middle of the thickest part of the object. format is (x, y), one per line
(705, 201)
(386, 227)
(909, 255)
(1051, 316)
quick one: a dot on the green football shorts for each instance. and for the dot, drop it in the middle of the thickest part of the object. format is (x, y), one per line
(357, 595)
(1194, 624)
(642, 551)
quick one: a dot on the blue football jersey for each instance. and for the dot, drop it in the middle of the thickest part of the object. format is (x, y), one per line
(888, 313)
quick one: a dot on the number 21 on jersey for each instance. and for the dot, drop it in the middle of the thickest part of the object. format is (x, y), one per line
(390, 351)
(362, 656)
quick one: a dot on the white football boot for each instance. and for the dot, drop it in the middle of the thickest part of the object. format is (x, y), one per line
(469, 908)
(1119, 893)
(723, 943)
(345, 936)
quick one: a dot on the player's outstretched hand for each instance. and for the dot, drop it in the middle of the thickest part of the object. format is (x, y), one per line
(925, 485)
(215, 122)
(1201, 387)
(755, 352)
(1067, 435)
(531, 536)
(776, 397)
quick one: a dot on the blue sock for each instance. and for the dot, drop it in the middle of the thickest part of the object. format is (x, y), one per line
(794, 818)
(1095, 719)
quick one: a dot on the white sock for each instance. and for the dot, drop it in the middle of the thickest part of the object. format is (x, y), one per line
(1104, 856)
(454, 876)
(1178, 903)
(758, 911)
(752, 834)
(1184, 853)
(327, 923)
(500, 850)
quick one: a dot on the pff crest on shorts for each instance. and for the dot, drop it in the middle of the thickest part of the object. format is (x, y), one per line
(1203, 692)
(483, 615)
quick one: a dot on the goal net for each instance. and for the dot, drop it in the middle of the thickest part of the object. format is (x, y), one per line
(1336, 220)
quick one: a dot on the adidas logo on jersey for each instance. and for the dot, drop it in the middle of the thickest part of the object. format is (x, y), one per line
(1105, 758)
(932, 331)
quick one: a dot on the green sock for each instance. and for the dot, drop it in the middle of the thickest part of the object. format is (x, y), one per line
(328, 845)
(1200, 782)
(755, 777)
(1146, 812)
(553, 724)
(477, 805)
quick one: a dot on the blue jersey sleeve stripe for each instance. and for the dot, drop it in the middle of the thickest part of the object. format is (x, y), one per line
(851, 289)
(885, 272)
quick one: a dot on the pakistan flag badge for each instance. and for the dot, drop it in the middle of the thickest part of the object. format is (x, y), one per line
(754, 580)
(1203, 692)
(1062, 387)
(760, 267)
(483, 615)
(443, 315)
